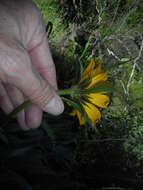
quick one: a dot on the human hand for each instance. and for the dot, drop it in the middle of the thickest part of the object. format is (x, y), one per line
(27, 70)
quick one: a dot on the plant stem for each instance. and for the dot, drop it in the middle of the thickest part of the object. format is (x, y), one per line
(65, 92)
(23, 106)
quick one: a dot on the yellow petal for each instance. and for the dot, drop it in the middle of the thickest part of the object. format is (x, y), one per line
(97, 69)
(99, 99)
(78, 114)
(102, 77)
(93, 113)
(80, 118)
(89, 69)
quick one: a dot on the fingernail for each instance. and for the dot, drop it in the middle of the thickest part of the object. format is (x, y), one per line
(55, 106)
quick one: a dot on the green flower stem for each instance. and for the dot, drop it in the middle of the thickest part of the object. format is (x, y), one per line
(28, 103)
(65, 92)
(18, 109)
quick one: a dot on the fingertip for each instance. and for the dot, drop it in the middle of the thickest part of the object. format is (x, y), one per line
(55, 106)
(33, 117)
(21, 121)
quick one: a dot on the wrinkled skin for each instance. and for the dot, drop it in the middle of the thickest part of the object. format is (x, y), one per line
(27, 70)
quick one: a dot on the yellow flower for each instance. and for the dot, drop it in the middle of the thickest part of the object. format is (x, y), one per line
(95, 100)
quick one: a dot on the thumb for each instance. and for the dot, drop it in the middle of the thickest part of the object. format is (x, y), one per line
(41, 93)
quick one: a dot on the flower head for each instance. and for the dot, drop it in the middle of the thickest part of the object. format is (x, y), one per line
(94, 97)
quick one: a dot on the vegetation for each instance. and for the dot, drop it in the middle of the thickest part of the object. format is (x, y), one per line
(62, 151)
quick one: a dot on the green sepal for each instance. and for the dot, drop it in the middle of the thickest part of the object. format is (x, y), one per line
(104, 88)
(85, 83)
(77, 106)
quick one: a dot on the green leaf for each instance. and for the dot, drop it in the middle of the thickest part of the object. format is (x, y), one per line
(85, 48)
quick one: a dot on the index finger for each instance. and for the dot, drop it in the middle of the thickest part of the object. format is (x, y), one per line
(42, 59)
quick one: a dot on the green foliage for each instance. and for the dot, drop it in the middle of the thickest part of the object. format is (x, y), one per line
(133, 144)
(49, 10)
(136, 95)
